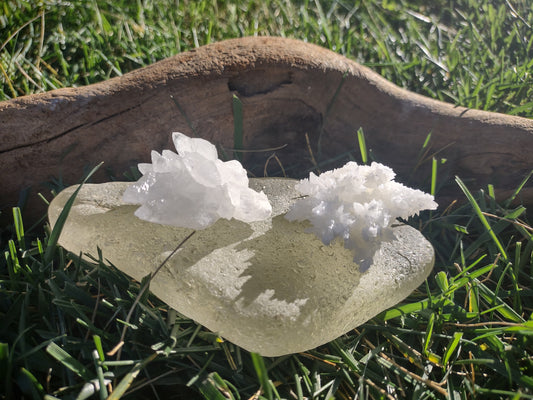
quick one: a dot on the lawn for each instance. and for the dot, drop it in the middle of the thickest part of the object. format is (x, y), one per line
(76, 327)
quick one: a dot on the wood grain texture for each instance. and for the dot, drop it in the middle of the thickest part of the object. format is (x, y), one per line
(288, 89)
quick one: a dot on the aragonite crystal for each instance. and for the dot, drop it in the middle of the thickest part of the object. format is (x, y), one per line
(358, 204)
(267, 286)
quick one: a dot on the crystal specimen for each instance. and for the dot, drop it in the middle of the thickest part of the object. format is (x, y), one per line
(194, 188)
(357, 203)
(267, 286)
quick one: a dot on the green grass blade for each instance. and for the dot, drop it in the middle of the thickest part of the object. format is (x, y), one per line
(502, 308)
(324, 23)
(403, 309)
(202, 370)
(442, 281)
(457, 336)
(426, 142)
(429, 333)
(128, 379)
(348, 357)
(102, 390)
(68, 361)
(61, 220)
(362, 145)
(13, 260)
(262, 374)
(215, 388)
(29, 384)
(518, 189)
(5, 369)
(19, 228)
(481, 217)
(434, 166)
(99, 348)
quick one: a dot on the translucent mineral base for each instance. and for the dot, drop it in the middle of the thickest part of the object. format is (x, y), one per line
(266, 286)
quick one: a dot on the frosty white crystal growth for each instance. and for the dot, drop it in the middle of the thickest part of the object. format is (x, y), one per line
(193, 189)
(356, 203)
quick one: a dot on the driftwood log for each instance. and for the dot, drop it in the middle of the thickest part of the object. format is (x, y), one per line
(288, 89)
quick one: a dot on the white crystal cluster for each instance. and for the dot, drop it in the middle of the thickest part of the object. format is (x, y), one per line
(193, 189)
(357, 203)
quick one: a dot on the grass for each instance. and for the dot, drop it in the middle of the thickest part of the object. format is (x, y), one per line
(466, 333)
(476, 54)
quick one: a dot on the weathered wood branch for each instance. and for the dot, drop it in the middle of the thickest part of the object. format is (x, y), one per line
(288, 89)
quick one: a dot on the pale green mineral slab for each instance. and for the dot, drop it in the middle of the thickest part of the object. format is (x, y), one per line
(266, 286)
